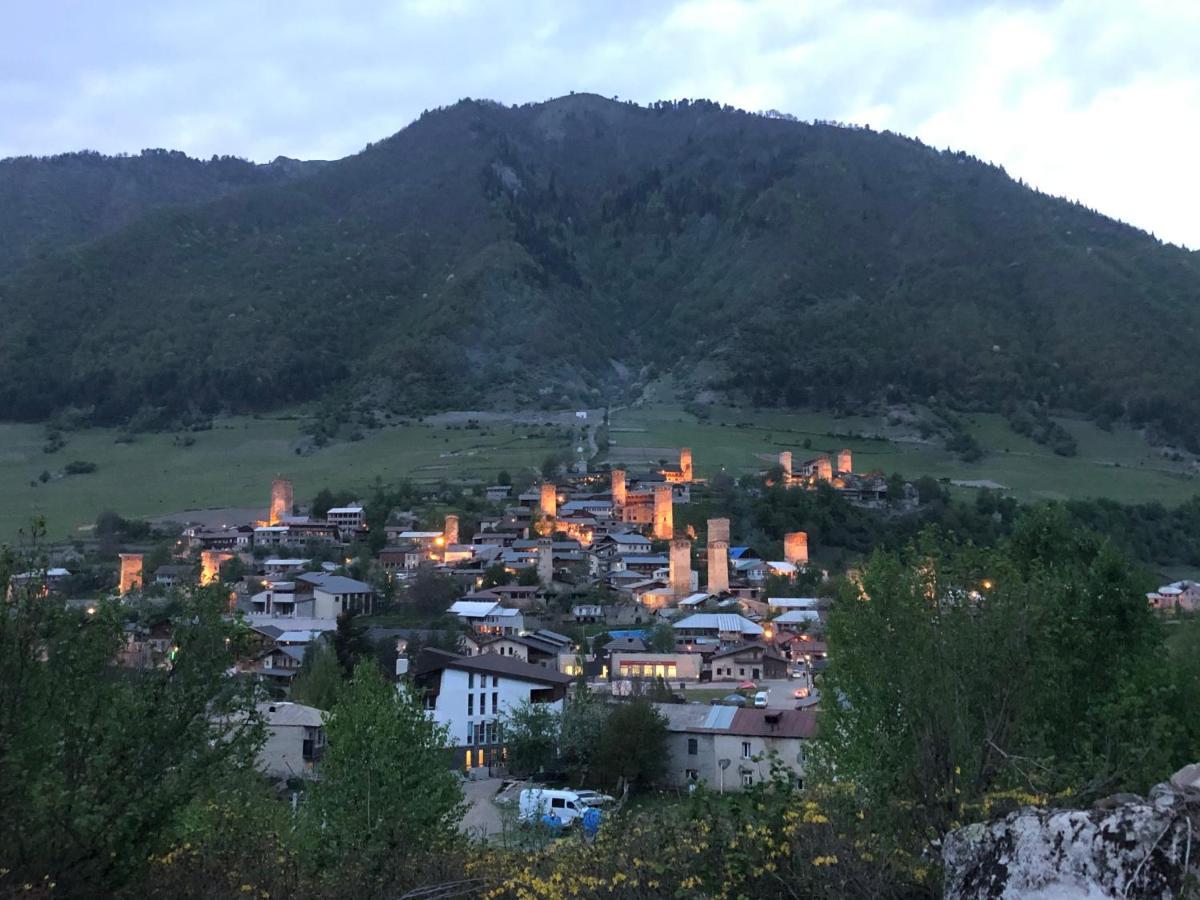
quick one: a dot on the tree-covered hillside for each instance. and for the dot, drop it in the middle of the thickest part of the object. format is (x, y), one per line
(553, 252)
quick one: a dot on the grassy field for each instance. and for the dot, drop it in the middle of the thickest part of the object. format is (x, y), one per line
(233, 464)
(1117, 464)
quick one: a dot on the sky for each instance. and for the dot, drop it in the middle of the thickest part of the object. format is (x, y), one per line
(1094, 100)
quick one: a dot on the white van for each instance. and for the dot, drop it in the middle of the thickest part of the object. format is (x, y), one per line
(760, 700)
(537, 802)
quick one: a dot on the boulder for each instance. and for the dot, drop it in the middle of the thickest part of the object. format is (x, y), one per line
(1125, 847)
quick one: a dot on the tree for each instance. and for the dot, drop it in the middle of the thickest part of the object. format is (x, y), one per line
(662, 638)
(431, 593)
(633, 746)
(531, 734)
(386, 802)
(350, 642)
(504, 478)
(528, 576)
(494, 575)
(96, 763)
(320, 678)
(581, 728)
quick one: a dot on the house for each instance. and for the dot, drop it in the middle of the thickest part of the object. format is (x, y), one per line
(527, 648)
(587, 612)
(346, 518)
(730, 749)
(1179, 596)
(295, 740)
(798, 619)
(496, 492)
(488, 617)
(727, 627)
(626, 644)
(786, 603)
(753, 570)
(336, 594)
(754, 661)
(645, 565)
(169, 576)
(284, 566)
(400, 557)
(279, 665)
(671, 667)
(470, 695)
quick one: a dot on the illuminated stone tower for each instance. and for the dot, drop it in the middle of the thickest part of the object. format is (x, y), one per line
(824, 469)
(718, 555)
(210, 565)
(685, 463)
(845, 462)
(785, 463)
(131, 572)
(450, 532)
(548, 502)
(545, 560)
(618, 487)
(681, 567)
(281, 500)
(664, 513)
(795, 547)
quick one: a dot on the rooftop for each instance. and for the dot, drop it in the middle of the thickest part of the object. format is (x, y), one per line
(431, 660)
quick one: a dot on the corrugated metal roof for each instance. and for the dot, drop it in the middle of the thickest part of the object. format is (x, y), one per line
(719, 716)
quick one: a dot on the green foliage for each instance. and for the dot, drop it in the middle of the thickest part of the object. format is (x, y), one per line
(632, 748)
(386, 799)
(584, 720)
(95, 762)
(320, 678)
(531, 735)
(1034, 666)
(662, 638)
(350, 642)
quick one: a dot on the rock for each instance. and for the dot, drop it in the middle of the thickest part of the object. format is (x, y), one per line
(1187, 778)
(1125, 847)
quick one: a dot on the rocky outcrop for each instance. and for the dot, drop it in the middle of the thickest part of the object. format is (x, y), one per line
(1125, 846)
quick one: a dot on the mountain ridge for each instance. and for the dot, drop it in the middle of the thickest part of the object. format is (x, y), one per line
(511, 254)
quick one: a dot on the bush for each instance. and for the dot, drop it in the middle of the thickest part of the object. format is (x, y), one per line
(79, 467)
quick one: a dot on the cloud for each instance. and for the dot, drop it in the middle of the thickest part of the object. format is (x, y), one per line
(1091, 99)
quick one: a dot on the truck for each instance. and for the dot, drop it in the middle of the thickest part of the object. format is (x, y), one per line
(565, 805)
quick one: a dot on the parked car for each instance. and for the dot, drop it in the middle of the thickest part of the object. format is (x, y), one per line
(728, 700)
(760, 700)
(800, 693)
(566, 806)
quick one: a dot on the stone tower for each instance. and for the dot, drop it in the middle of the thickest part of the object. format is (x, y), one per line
(210, 565)
(545, 560)
(845, 461)
(795, 547)
(685, 463)
(718, 555)
(618, 487)
(450, 532)
(281, 500)
(548, 502)
(824, 469)
(785, 463)
(681, 567)
(131, 572)
(664, 513)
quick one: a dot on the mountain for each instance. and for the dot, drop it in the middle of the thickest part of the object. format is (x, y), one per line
(562, 251)
(47, 203)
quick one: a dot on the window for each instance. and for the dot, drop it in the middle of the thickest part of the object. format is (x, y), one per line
(495, 703)
(470, 757)
(693, 746)
(483, 704)
(490, 733)
(470, 680)
(747, 780)
(470, 732)
(471, 704)
(495, 681)
(479, 732)
(558, 803)
(746, 754)
(691, 774)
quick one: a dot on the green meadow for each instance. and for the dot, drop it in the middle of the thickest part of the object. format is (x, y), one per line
(233, 464)
(1119, 464)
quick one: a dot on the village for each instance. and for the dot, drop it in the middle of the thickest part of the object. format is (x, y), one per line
(588, 582)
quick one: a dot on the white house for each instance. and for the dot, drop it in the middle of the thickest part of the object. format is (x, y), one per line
(336, 594)
(488, 616)
(346, 518)
(470, 695)
(723, 626)
(731, 749)
(295, 740)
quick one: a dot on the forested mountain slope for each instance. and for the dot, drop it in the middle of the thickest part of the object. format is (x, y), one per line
(552, 251)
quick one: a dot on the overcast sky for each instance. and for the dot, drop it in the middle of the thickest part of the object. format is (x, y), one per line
(1096, 100)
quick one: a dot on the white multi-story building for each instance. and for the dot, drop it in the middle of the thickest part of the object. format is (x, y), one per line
(346, 518)
(731, 749)
(470, 695)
